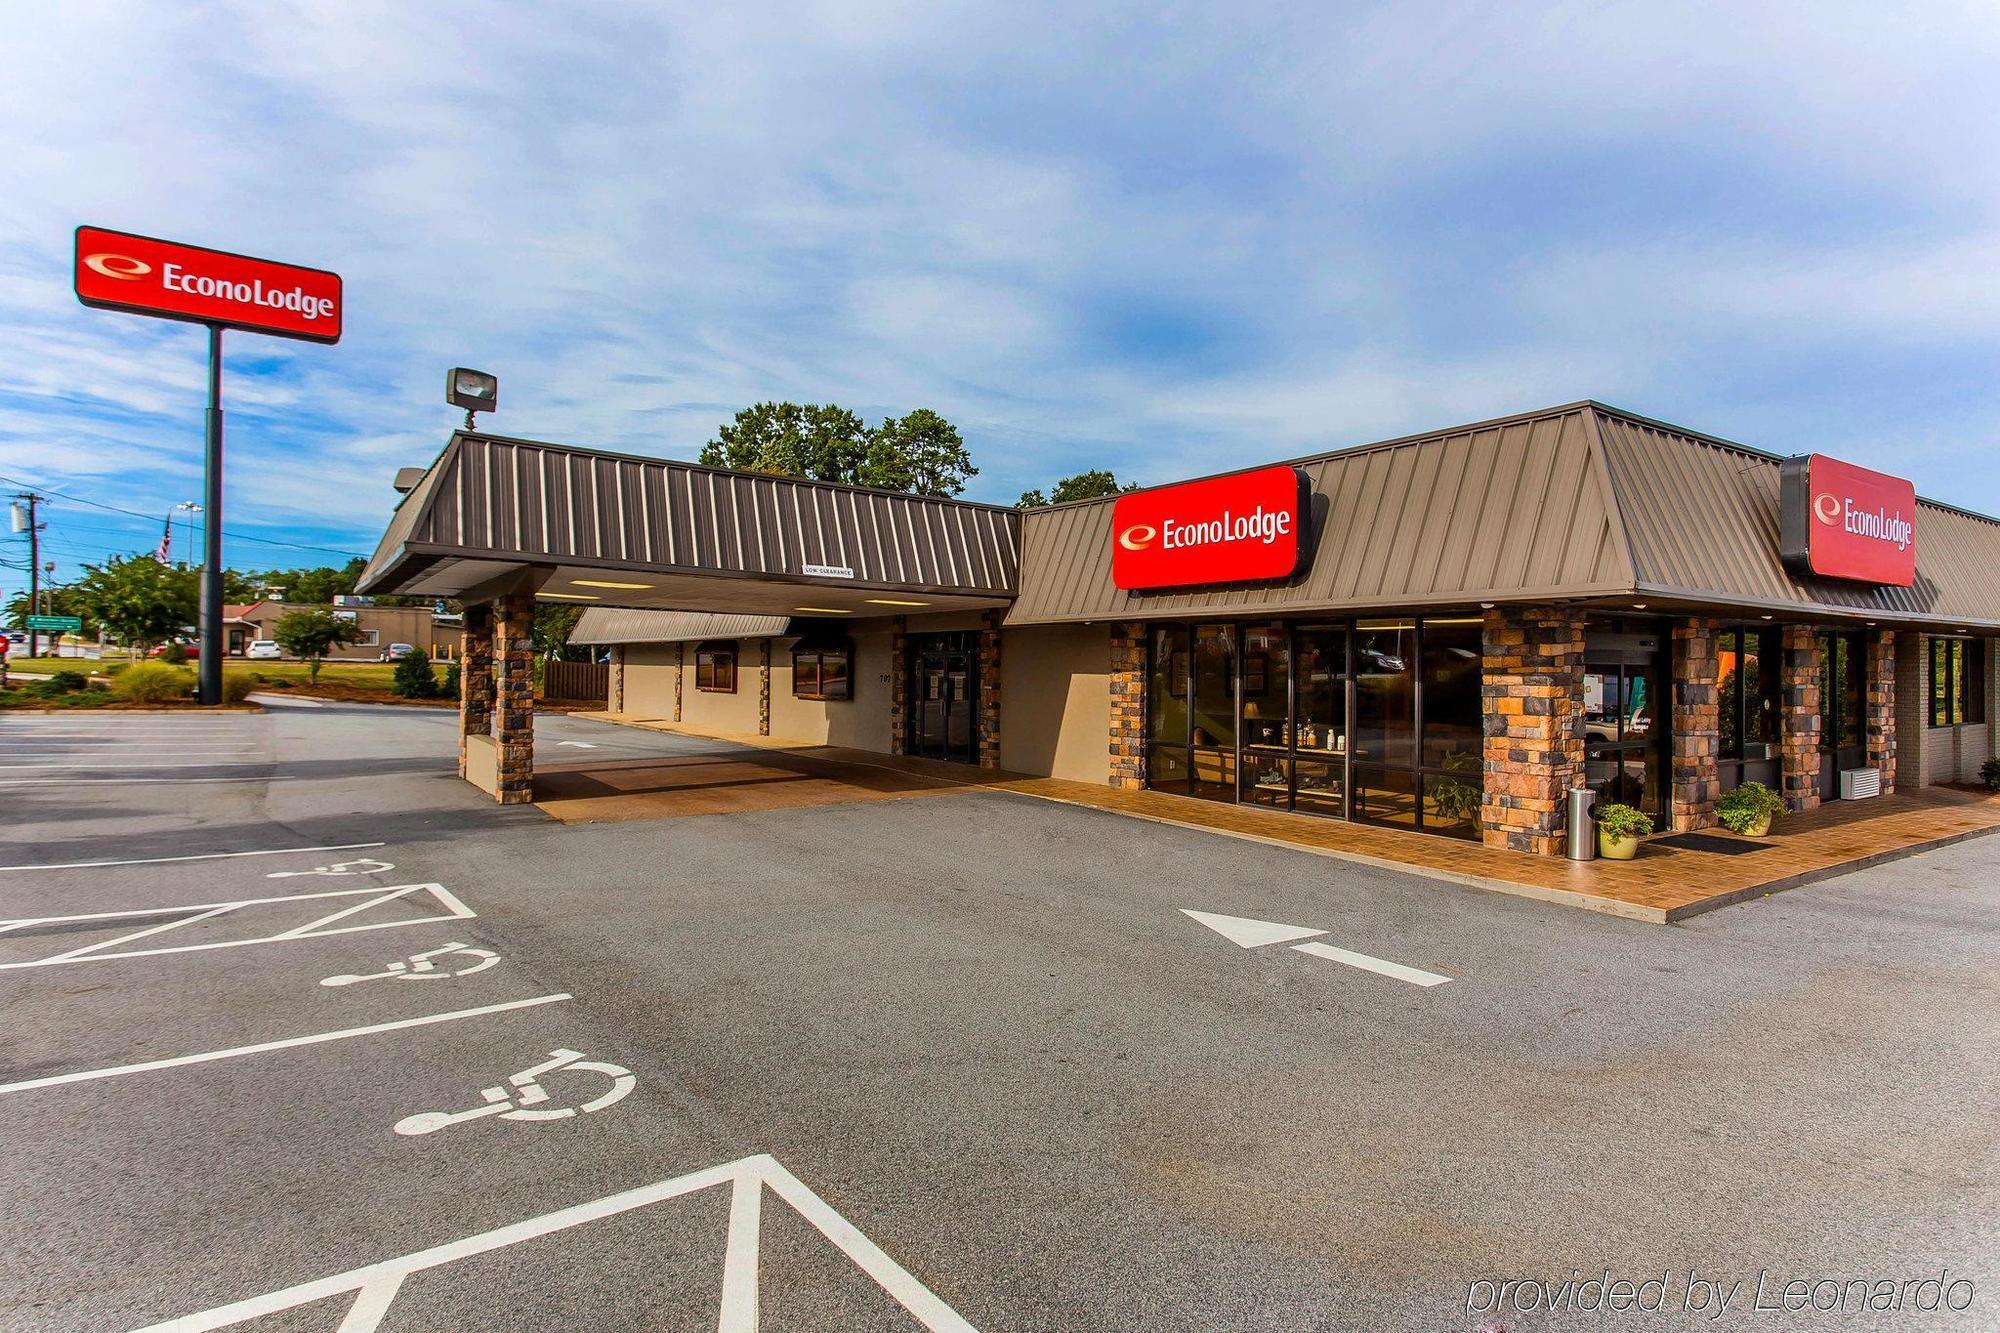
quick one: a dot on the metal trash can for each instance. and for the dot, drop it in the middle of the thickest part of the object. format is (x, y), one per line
(1582, 824)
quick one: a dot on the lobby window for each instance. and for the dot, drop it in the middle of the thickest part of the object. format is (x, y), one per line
(821, 673)
(1958, 681)
(1747, 689)
(715, 668)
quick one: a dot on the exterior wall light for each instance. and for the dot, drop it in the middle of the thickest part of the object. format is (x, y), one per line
(605, 583)
(571, 596)
(824, 610)
(473, 390)
(891, 601)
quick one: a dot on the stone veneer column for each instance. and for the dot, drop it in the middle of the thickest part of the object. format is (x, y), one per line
(899, 685)
(680, 671)
(764, 690)
(514, 696)
(1697, 718)
(615, 699)
(475, 677)
(1879, 710)
(1798, 717)
(1532, 694)
(1128, 706)
(989, 687)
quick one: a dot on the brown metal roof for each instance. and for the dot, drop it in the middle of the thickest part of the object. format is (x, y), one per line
(1512, 510)
(603, 624)
(1701, 516)
(708, 536)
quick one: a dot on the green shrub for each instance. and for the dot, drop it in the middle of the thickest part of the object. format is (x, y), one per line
(1751, 803)
(68, 682)
(1989, 773)
(414, 677)
(153, 683)
(175, 655)
(1622, 821)
(448, 689)
(236, 686)
(116, 667)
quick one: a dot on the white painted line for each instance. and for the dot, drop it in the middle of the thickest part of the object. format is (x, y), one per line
(118, 782)
(454, 910)
(1416, 976)
(317, 1038)
(1248, 932)
(739, 1259)
(204, 856)
(284, 701)
(375, 1285)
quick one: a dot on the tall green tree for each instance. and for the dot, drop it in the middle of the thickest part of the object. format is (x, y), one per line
(311, 634)
(1092, 485)
(57, 601)
(550, 631)
(137, 599)
(921, 452)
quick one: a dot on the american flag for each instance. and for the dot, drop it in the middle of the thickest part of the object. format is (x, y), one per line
(165, 554)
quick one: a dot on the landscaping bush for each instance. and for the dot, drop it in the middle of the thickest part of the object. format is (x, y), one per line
(236, 686)
(153, 683)
(1989, 773)
(449, 688)
(175, 655)
(68, 682)
(414, 677)
(1748, 806)
(1622, 821)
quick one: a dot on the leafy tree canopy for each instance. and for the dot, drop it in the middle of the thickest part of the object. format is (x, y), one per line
(138, 599)
(57, 601)
(921, 453)
(550, 633)
(312, 633)
(1091, 485)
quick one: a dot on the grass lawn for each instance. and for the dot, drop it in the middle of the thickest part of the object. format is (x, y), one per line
(351, 682)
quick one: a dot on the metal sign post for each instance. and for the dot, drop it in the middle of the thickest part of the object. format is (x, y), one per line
(144, 275)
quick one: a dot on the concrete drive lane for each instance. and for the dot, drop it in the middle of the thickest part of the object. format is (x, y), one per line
(985, 1032)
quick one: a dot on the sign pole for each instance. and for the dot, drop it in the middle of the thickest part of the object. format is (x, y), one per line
(210, 665)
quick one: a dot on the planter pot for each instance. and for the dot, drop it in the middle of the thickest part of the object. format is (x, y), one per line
(1616, 849)
(1757, 827)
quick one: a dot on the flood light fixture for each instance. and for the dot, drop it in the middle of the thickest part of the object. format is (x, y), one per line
(473, 390)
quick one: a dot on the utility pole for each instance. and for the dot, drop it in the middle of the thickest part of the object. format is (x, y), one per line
(34, 569)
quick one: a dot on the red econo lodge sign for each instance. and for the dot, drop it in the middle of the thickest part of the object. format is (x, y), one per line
(1236, 529)
(1839, 521)
(116, 270)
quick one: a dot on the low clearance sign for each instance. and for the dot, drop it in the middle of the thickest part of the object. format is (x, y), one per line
(116, 270)
(1839, 521)
(1242, 528)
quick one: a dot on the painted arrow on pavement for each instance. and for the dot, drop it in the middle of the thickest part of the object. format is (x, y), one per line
(580, 745)
(1249, 933)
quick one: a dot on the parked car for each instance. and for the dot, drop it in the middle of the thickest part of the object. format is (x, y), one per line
(192, 647)
(263, 650)
(395, 651)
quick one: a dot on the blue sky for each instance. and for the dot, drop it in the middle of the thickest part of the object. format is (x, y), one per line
(1159, 239)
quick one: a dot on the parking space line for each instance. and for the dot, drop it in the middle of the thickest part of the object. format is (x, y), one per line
(135, 935)
(1416, 976)
(315, 1039)
(204, 856)
(152, 782)
(307, 929)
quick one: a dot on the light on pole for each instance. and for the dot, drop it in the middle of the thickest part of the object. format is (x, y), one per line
(192, 509)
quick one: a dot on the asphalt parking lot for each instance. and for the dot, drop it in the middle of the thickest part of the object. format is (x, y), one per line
(305, 1033)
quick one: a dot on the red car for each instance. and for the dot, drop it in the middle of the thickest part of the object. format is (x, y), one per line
(188, 646)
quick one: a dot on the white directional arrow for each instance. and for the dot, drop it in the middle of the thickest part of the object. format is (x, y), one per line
(1252, 934)
(1248, 933)
(580, 745)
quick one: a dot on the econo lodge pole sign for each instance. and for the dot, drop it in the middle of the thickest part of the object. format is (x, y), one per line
(143, 275)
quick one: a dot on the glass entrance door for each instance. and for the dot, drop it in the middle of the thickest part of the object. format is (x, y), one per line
(944, 697)
(1625, 732)
(1843, 694)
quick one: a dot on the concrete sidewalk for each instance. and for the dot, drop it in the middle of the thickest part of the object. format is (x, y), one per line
(1663, 885)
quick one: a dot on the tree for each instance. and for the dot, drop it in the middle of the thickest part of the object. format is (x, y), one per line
(138, 599)
(311, 633)
(551, 630)
(57, 601)
(318, 585)
(1092, 485)
(414, 677)
(921, 453)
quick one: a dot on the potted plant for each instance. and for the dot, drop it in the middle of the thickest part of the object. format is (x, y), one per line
(1989, 773)
(1749, 809)
(1619, 828)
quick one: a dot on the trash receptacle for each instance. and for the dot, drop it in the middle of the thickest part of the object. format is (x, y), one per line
(1582, 824)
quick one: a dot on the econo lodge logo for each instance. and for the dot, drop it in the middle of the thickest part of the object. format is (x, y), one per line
(1138, 537)
(1879, 523)
(1237, 528)
(123, 267)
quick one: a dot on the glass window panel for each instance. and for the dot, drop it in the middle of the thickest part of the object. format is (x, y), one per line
(1167, 694)
(1385, 795)
(1729, 691)
(833, 675)
(1958, 680)
(1451, 805)
(1168, 769)
(1266, 686)
(1384, 693)
(1319, 786)
(1214, 776)
(1940, 683)
(1829, 690)
(1975, 680)
(805, 674)
(1322, 690)
(1453, 734)
(1214, 685)
(1267, 779)
(1760, 694)
(1853, 674)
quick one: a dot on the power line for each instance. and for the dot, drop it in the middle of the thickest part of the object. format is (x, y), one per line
(235, 536)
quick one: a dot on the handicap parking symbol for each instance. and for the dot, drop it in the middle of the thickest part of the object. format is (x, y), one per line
(524, 1096)
(419, 967)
